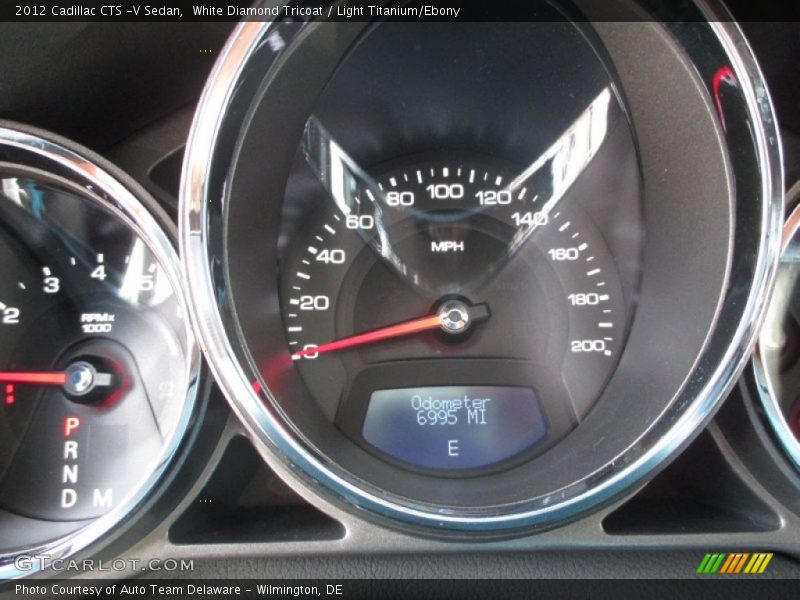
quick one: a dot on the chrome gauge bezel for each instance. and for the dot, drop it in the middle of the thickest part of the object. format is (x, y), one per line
(207, 160)
(106, 187)
(766, 387)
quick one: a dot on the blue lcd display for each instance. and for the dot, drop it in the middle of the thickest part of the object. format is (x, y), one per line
(454, 427)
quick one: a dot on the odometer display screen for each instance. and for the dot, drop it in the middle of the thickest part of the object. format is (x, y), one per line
(454, 427)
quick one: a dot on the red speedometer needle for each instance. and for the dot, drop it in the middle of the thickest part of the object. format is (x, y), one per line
(38, 377)
(453, 317)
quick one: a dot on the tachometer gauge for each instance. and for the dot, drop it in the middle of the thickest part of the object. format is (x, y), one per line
(97, 365)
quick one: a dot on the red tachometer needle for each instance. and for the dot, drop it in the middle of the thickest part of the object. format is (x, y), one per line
(475, 313)
(38, 377)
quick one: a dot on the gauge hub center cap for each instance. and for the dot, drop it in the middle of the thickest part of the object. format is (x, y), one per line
(80, 378)
(455, 316)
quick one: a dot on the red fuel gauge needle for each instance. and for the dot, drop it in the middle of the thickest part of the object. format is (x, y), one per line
(452, 317)
(37, 377)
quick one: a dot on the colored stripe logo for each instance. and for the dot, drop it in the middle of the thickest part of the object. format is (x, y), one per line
(734, 563)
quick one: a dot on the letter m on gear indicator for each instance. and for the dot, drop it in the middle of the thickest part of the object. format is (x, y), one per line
(734, 563)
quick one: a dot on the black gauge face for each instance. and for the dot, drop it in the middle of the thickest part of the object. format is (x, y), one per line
(461, 322)
(454, 303)
(93, 356)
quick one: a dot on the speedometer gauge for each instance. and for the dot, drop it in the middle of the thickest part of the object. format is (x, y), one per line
(400, 351)
(476, 278)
